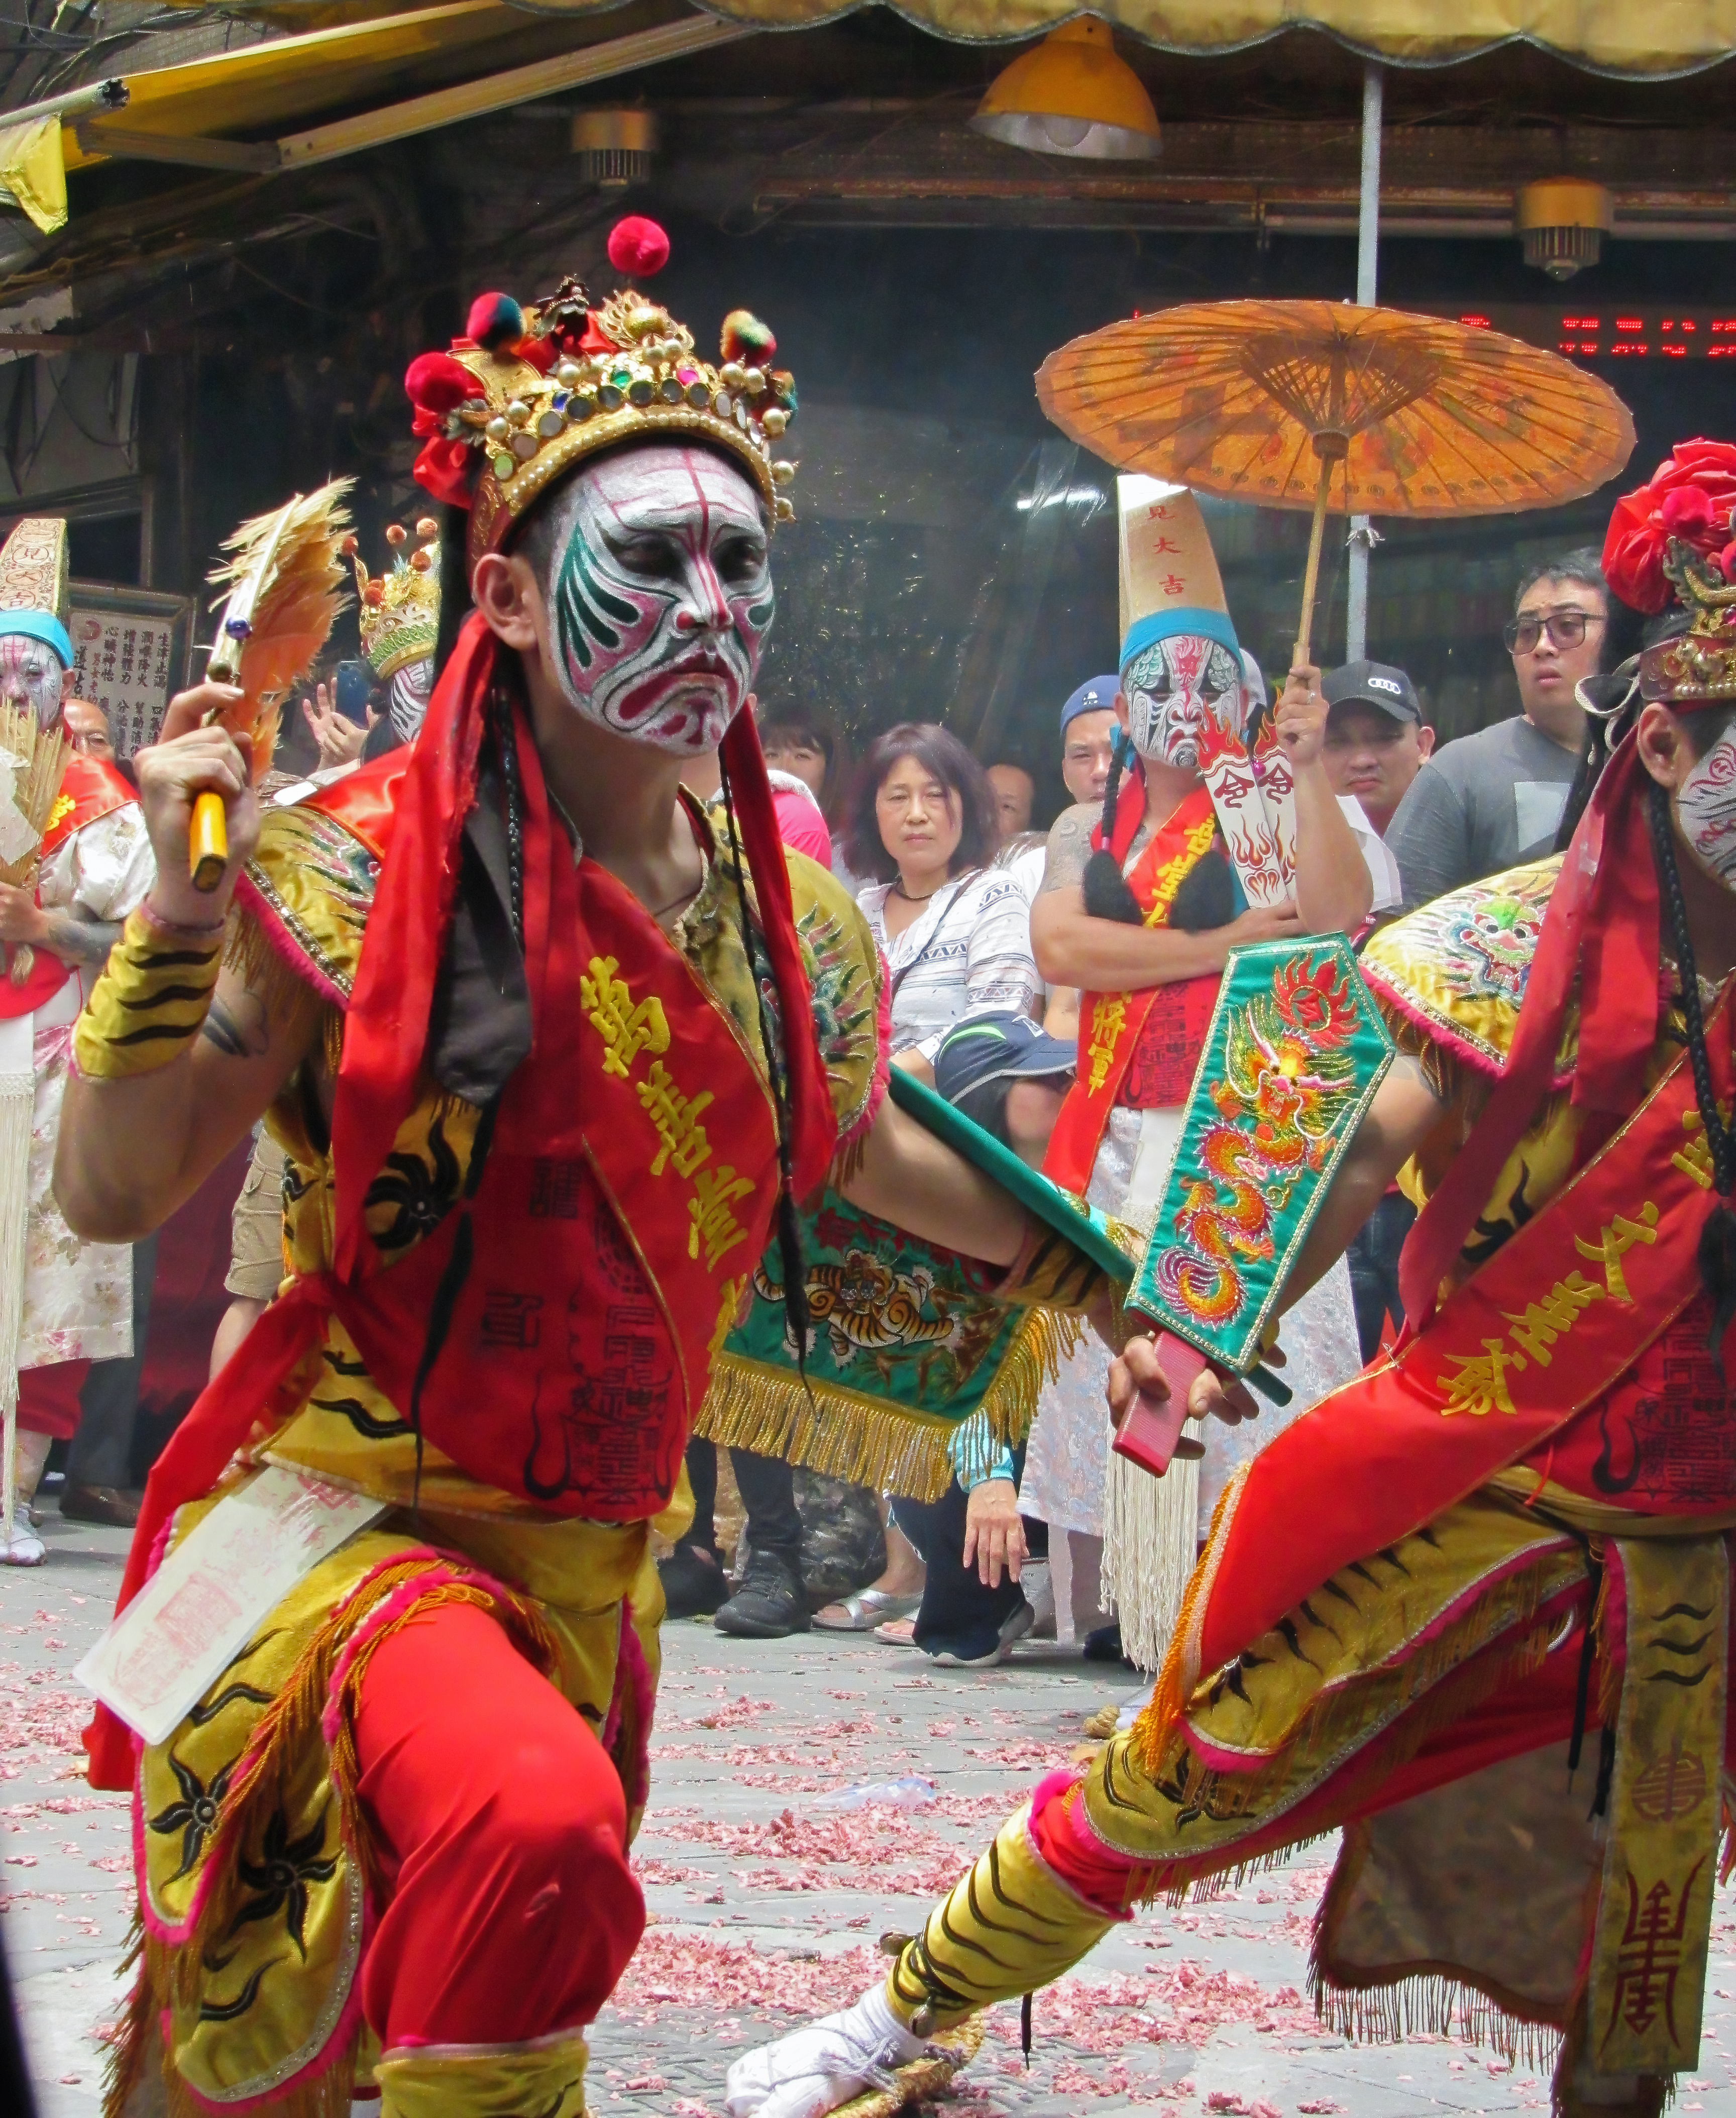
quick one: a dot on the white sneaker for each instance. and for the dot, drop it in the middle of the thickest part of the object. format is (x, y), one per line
(24, 1548)
(815, 2069)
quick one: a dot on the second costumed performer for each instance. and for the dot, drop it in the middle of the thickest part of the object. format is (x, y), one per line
(549, 1069)
(1140, 904)
(1473, 1608)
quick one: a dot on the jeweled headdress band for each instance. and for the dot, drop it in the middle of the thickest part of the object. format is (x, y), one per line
(532, 389)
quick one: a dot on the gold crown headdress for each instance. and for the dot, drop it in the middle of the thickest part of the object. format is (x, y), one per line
(398, 612)
(531, 390)
(1674, 540)
(1698, 664)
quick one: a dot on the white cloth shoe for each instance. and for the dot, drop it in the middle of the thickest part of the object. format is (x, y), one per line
(24, 1548)
(815, 2069)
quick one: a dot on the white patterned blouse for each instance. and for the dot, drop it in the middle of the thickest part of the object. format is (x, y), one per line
(967, 952)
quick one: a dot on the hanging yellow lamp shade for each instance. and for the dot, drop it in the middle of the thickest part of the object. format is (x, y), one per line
(1072, 95)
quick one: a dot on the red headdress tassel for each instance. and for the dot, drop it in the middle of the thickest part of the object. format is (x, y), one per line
(386, 1028)
(813, 1121)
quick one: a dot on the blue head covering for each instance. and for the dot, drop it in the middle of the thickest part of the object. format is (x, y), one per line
(40, 624)
(1170, 624)
(1097, 694)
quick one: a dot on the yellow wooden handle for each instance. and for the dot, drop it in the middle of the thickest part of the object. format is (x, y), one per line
(208, 842)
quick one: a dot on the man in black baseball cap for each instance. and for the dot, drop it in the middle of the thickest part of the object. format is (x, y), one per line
(1375, 738)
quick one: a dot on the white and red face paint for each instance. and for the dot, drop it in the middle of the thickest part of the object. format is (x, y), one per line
(659, 593)
(1705, 809)
(1173, 688)
(31, 677)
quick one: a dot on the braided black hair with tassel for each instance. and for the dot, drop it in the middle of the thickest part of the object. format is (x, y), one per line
(1106, 891)
(790, 1259)
(1717, 1258)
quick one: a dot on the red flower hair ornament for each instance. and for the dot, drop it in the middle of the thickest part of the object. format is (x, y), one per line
(1690, 499)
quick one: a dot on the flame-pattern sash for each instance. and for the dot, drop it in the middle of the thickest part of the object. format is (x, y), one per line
(1111, 1024)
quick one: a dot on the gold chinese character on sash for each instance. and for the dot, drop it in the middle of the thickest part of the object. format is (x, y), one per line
(714, 1192)
(1695, 1160)
(1107, 1018)
(1479, 1387)
(626, 1030)
(1540, 1324)
(1617, 1240)
(677, 1118)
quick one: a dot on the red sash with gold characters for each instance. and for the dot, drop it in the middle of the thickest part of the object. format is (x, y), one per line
(1547, 1330)
(88, 789)
(1113, 1026)
(627, 1197)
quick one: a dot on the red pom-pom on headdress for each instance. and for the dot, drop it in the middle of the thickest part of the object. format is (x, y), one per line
(638, 247)
(435, 382)
(1689, 498)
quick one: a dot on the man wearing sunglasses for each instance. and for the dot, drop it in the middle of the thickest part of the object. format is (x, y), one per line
(1492, 800)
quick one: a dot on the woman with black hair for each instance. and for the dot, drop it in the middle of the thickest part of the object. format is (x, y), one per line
(955, 930)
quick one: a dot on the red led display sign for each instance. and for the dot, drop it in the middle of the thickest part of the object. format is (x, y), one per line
(1589, 330)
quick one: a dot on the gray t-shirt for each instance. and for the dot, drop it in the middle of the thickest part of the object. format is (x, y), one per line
(1484, 804)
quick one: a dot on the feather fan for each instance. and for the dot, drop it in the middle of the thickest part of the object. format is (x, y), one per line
(285, 573)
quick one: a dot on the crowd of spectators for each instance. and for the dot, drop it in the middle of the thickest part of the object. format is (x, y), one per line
(939, 851)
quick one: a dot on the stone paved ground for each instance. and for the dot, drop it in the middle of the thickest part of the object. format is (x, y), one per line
(764, 1906)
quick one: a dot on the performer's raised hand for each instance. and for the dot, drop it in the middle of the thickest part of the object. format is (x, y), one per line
(1136, 1374)
(1264, 922)
(191, 759)
(1300, 718)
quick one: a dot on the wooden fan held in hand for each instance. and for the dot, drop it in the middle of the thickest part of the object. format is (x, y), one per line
(286, 574)
(36, 760)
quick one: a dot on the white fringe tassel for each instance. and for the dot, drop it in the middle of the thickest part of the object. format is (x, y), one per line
(1151, 1537)
(18, 1102)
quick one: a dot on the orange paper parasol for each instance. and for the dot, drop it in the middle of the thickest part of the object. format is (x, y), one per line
(1344, 410)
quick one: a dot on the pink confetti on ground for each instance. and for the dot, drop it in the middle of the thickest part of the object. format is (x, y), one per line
(678, 1970)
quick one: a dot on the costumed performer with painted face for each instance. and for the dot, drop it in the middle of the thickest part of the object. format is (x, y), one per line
(1474, 1609)
(95, 867)
(541, 1111)
(1141, 899)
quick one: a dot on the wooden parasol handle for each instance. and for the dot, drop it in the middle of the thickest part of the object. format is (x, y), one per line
(1330, 448)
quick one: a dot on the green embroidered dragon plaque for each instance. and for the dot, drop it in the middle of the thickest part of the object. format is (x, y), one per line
(1295, 1051)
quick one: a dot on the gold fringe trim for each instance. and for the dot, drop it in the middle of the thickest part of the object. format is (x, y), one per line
(835, 1431)
(124, 2064)
(262, 968)
(1431, 2004)
(843, 1433)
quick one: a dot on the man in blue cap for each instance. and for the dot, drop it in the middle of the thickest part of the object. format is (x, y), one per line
(95, 866)
(1087, 737)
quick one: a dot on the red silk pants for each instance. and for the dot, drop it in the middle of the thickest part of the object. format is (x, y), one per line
(48, 1398)
(510, 1911)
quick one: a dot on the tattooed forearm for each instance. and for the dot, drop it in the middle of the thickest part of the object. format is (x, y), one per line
(1070, 847)
(239, 1029)
(78, 940)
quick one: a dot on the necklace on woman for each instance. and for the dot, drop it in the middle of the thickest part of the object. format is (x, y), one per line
(898, 885)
